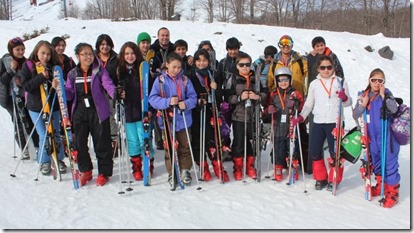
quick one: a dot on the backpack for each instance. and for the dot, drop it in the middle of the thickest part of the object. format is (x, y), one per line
(297, 58)
(400, 124)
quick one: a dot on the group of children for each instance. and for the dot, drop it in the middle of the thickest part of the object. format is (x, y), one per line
(185, 86)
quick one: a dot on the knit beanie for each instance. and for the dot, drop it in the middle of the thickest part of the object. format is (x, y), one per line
(143, 36)
(14, 43)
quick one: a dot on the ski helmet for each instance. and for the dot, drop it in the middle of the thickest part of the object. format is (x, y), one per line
(283, 71)
(351, 145)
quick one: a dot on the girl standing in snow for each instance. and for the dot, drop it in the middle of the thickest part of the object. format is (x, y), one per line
(170, 90)
(43, 55)
(373, 99)
(129, 80)
(323, 95)
(239, 94)
(200, 77)
(59, 44)
(86, 86)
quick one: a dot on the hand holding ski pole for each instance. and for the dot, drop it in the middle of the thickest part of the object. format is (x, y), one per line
(203, 100)
(253, 95)
(297, 120)
(174, 101)
(271, 109)
(55, 83)
(120, 92)
(181, 105)
(213, 85)
(342, 95)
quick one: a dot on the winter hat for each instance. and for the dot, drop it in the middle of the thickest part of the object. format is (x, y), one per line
(143, 36)
(13, 43)
(316, 40)
(270, 51)
(285, 40)
(232, 43)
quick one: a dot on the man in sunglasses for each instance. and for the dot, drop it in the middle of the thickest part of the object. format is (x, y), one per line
(298, 65)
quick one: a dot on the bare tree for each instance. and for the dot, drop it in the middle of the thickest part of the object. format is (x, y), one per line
(224, 14)
(208, 6)
(5, 12)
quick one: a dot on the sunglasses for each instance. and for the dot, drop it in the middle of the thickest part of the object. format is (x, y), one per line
(283, 80)
(376, 80)
(244, 64)
(285, 42)
(325, 67)
(15, 40)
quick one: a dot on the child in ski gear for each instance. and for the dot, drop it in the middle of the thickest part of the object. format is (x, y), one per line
(181, 48)
(129, 81)
(10, 64)
(200, 77)
(67, 63)
(144, 43)
(174, 90)
(43, 55)
(377, 99)
(323, 96)
(105, 54)
(86, 86)
(285, 100)
(206, 44)
(269, 53)
(241, 95)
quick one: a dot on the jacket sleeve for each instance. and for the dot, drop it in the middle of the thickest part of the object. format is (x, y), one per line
(30, 84)
(390, 102)
(155, 99)
(348, 102)
(309, 103)
(6, 75)
(70, 85)
(108, 84)
(271, 76)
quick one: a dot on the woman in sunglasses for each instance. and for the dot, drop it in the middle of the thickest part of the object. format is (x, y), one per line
(372, 101)
(323, 98)
(243, 98)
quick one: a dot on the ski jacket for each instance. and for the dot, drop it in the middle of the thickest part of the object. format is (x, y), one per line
(299, 72)
(133, 95)
(160, 54)
(166, 87)
(234, 88)
(226, 69)
(100, 83)
(6, 75)
(324, 106)
(31, 82)
(284, 102)
(374, 109)
(264, 70)
(110, 65)
(313, 60)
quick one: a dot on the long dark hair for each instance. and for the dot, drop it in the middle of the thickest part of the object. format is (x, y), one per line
(101, 38)
(122, 65)
(53, 55)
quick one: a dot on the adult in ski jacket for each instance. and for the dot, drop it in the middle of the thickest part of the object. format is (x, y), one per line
(323, 100)
(201, 78)
(86, 86)
(162, 47)
(239, 91)
(130, 82)
(43, 55)
(375, 100)
(284, 102)
(10, 64)
(174, 90)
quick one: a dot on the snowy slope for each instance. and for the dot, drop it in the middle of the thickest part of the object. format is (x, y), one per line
(48, 204)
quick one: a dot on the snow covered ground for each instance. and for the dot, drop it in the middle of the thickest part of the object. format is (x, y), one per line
(48, 204)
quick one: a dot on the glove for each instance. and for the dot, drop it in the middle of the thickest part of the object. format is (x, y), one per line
(297, 120)
(271, 109)
(342, 95)
(120, 93)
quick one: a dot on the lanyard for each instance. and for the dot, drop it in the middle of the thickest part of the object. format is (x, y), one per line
(177, 87)
(330, 88)
(282, 101)
(85, 83)
(206, 82)
(369, 102)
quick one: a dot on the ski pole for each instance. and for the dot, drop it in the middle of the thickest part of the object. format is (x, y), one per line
(384, 129)
(301, 155)
(247, 104)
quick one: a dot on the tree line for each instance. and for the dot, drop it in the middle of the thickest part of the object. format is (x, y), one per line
(390, 17)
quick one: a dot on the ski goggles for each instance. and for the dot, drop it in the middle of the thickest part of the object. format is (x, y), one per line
(325, 67)
(244, 64)
(283, 80)
(285, 42)
(15, 40)
(376, 80)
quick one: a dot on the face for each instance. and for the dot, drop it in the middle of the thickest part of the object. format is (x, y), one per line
(181, 51)
(319, 47)
(129, 55)
(325, 69)
(286, 49)
(376, 81)
(233, 52)
(164, 37)
(104, 47)
(44, 54)
(201, 63)
(244, 66)
(283, 81)
(60, 47)
(174, 67)
(268, 58)
(85, 56)
(144, 46)
(18, 51)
